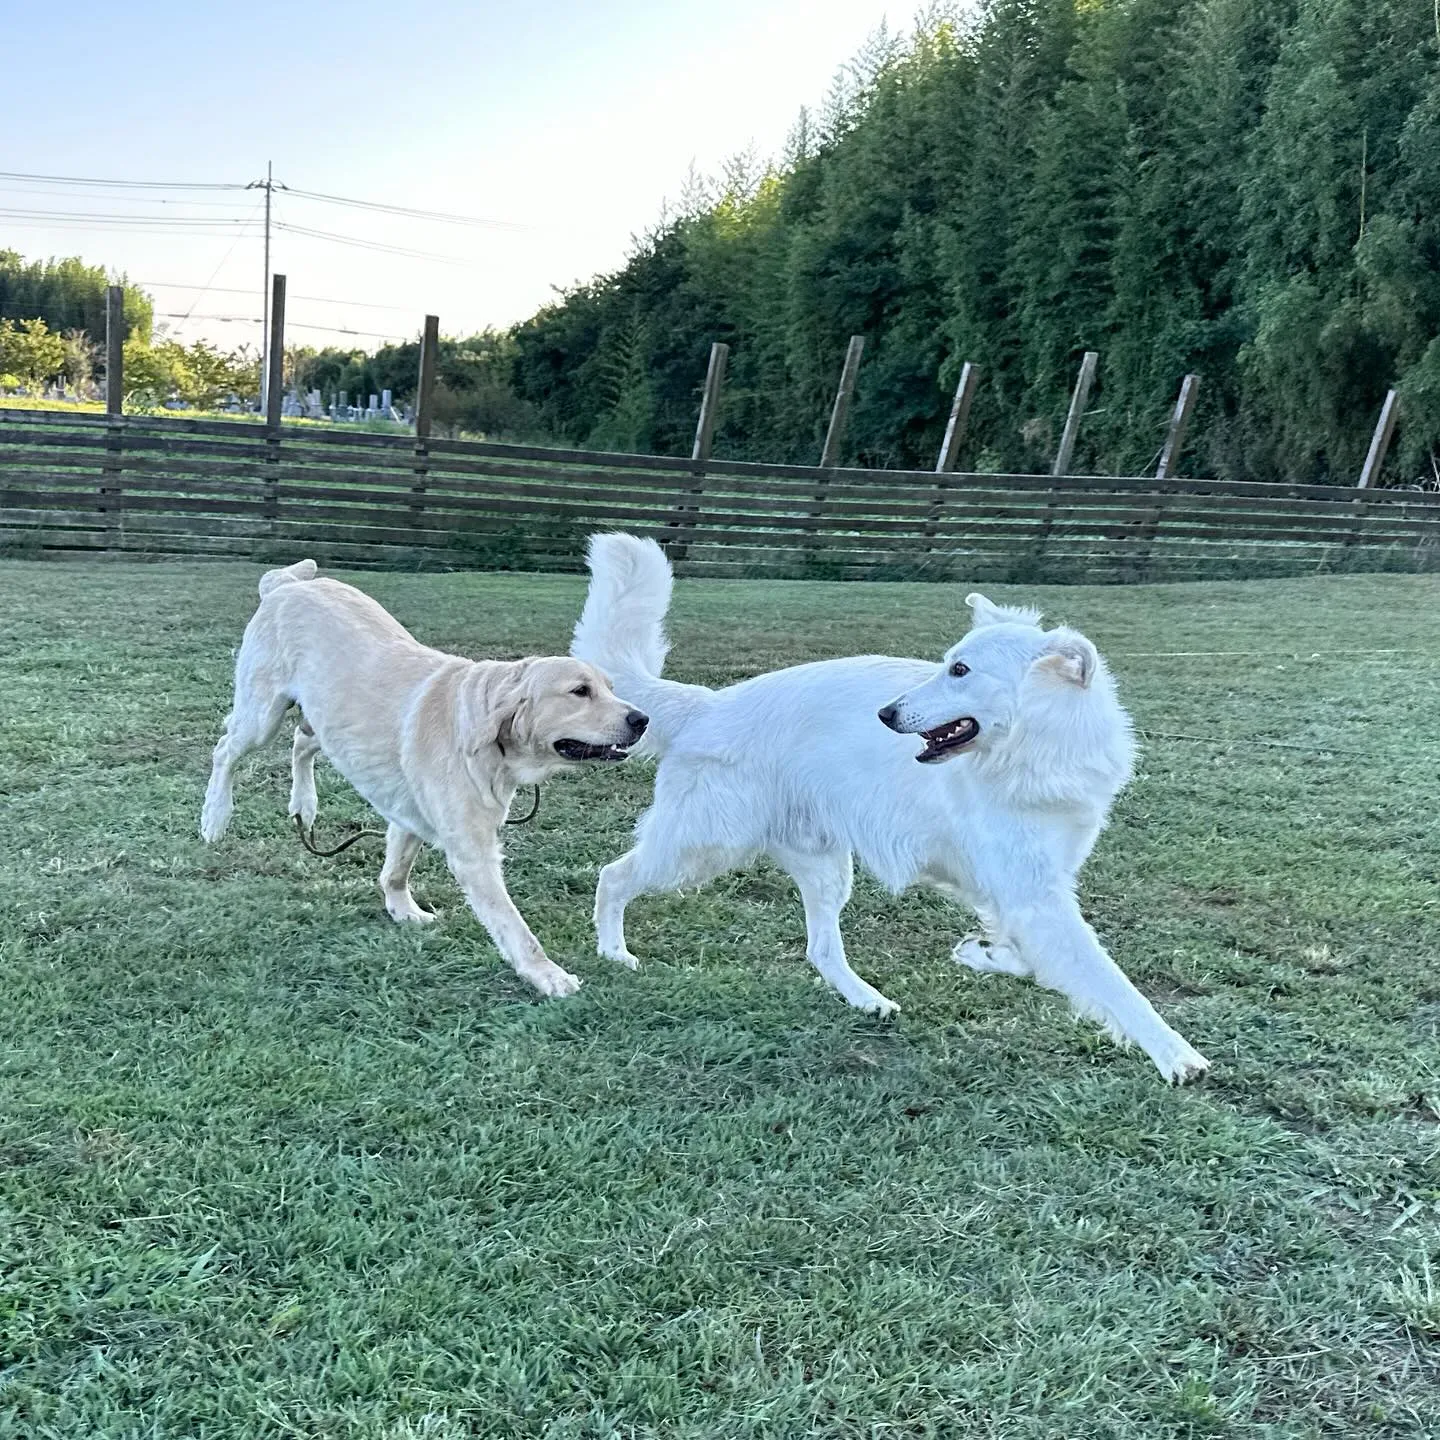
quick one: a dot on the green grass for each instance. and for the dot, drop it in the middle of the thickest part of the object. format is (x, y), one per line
(273, 1166)
(68, 407)
(299, 422)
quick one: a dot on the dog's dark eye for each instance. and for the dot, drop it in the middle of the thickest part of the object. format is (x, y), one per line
(583, 691)
(959, 669)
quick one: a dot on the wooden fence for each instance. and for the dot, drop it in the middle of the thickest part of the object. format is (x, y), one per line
(137, 486)
(134, 485)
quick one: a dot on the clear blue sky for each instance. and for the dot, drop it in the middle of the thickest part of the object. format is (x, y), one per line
(571, 121)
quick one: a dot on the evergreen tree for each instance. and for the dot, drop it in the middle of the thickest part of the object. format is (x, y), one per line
(66, 295)
(1249, 189)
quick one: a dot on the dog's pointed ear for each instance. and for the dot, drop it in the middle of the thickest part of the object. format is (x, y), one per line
(1069, 657)
(985, 612)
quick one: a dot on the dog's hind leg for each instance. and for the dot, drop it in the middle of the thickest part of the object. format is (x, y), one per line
(401, 848)
(1065, 955)
(824, 880)
(989, 956)
(259, 709)
(643, 871)
(990, 952)
(303, 800)
(618, 885)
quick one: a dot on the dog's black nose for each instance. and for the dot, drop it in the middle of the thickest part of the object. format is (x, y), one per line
(887, 716)
(637, 722)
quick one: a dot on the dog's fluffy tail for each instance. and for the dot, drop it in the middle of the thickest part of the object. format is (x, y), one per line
(300, 570)
(622, 630)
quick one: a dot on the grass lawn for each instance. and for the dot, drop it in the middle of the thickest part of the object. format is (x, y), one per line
(273, 1166)
(91, 408)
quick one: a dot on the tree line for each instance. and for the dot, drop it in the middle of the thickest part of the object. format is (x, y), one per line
(53, 325)
(68, 295)
(1248, 189)
(474, 389)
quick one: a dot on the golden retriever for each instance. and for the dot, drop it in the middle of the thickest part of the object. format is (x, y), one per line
(436, 743)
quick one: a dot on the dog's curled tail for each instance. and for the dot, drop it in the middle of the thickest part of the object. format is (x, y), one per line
(300, 570)
(622, 630)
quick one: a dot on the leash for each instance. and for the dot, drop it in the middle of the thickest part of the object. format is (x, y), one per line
(307, 837)
(308, 841)
(534, 811)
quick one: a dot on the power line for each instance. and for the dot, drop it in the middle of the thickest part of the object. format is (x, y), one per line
(369, 244)
(26, 310)
(289, 324)
(190, 315)
(122, 184)
(237, 227)
(269, 187)
(442, 216)
(102, 228)
(249, 290)
(224, 259)
(345, 330)
(123, 199)
(107, 217)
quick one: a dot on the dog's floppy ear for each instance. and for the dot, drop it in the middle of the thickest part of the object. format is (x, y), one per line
(1069, 657)
(496, 697)
(985, 612)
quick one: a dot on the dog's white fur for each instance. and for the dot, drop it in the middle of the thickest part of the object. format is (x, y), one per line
(796, 765)
(436, 743)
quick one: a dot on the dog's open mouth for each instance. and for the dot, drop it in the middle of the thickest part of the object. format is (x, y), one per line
(947, 739)
(583, 750)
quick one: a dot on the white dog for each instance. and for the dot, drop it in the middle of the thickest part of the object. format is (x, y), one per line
(797, 766)
(436, 743)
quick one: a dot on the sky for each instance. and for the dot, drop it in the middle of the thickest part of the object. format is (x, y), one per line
(567, 125)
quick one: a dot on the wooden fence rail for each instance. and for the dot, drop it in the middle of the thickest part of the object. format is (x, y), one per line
(135, 486)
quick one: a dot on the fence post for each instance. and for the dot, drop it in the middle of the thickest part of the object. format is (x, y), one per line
(959, 418)
(830, 455)
(114, 351)
(112, 476)
(275, 359)
(1179, 423)
(686, 515)
(1380, 441)
(1078, 401)
(424, 414)
(710, 401)
(950, 445)
(274, 399)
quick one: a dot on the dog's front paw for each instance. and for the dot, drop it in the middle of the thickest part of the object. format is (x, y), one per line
(1183, 1065)
(551, 981)
(869, 999)
(406, 912)
(214, 821)
(306, 810)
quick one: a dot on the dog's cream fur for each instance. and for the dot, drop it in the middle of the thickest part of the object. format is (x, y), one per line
(797, 765)
(436, 743)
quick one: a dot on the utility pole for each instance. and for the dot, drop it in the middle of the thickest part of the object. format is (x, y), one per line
(268, 186)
